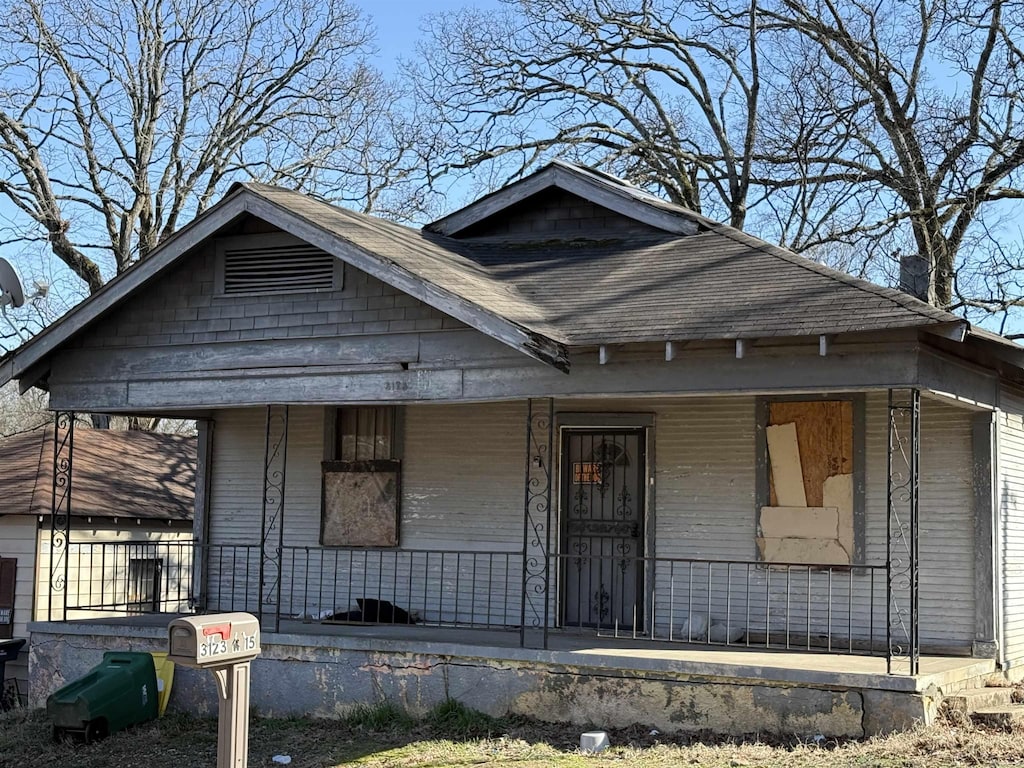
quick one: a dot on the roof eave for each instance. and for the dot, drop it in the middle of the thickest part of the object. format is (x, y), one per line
(617, 198)
(29, 357)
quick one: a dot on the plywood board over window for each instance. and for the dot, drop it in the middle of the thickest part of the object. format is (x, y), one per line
(809, 517)
(360, 504)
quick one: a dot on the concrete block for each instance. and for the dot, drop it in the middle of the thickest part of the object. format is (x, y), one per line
(893, 711)
(594, 741)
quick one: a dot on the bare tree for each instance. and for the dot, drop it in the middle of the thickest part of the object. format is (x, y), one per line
(662, 94)
(926, 99)
(119, 120)
(860, 132)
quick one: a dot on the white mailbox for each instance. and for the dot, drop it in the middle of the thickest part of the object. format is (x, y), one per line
(214, 640)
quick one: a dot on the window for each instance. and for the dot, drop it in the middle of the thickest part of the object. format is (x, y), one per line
(811, 500)
(362, 485)
(144, 583)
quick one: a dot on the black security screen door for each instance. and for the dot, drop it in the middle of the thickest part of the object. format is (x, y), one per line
(603, 491)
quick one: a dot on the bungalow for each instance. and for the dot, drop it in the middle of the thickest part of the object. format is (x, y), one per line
(571, 451)
(129, 543)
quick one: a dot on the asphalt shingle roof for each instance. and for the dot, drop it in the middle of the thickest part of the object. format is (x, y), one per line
(127, 474)
(719, 283)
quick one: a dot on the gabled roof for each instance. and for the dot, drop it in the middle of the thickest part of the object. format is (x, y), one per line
(689, 278)
(597, 187)
(123, 474)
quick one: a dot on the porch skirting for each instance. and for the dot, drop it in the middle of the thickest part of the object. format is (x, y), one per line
(586, 683)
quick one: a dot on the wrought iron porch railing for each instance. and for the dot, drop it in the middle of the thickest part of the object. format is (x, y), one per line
(479, 590)
(128, 578)
(840, 609)
(837, 609)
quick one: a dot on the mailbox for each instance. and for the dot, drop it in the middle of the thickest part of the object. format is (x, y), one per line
(215, 640)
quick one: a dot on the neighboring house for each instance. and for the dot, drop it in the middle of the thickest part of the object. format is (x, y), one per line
(131, 528)
(567, 411)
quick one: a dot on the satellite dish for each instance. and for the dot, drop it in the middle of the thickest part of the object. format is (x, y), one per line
(10, 286)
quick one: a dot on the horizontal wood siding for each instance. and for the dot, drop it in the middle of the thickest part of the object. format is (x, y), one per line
(462, 492)
(1011, 512)
(18, 539)
(98, 559)
(947, 614)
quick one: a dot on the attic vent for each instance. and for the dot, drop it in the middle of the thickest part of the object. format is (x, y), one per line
(252, 266)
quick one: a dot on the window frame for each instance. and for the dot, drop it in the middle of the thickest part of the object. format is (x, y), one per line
(332, 464)
(762, 493)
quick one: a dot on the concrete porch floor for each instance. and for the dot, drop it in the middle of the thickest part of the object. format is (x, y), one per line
(786, 666)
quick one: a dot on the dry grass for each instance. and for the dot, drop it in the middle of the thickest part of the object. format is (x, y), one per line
(453, 736)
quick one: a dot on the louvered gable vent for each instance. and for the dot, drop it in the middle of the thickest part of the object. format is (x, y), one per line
(263, 268)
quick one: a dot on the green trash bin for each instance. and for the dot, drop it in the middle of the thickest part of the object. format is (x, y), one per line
(118, 693)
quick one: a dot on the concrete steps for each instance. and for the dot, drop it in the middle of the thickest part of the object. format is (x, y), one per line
(1008, 718)
(975, 699)
(988, 707)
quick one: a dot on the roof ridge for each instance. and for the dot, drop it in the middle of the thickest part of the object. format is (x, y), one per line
(446, 244)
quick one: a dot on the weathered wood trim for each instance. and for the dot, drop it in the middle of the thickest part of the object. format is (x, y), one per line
(600, 419)
(954, 331)
(533, 344)
(707, 374)
(118, 289)
(616, 199)
(986, 509)
(968, 384)
(201, 518)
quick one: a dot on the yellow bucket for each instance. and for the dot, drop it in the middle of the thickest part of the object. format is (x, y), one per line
(164, 678)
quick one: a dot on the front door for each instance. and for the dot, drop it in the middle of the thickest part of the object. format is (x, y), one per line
(603, 489)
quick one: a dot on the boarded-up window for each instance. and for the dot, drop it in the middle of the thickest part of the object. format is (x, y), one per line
(362, 487)
(809, 517)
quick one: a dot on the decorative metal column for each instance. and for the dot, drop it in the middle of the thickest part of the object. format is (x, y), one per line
(536, 607)
(60, 510)
(275, 460)
(903, 652)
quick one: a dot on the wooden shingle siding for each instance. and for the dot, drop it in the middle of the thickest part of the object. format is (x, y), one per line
(183, 308)
(557, 215)
(1011, 510)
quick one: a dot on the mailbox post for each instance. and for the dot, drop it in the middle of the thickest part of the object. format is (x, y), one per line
(225, 644)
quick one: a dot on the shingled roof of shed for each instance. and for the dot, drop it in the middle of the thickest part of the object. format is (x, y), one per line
(117, 474)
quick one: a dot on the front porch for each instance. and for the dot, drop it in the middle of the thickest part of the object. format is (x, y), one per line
(541, 587)
(581, 678)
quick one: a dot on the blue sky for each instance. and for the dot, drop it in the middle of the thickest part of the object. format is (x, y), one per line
(398, 23)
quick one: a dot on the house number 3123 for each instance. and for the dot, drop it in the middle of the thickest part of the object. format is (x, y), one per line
(396, 386)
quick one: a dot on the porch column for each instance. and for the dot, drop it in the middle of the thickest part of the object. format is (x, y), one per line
(60, 512)
(198, 594)
(903, 652)
(275, 460)
(986, 507)
(537, 565)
